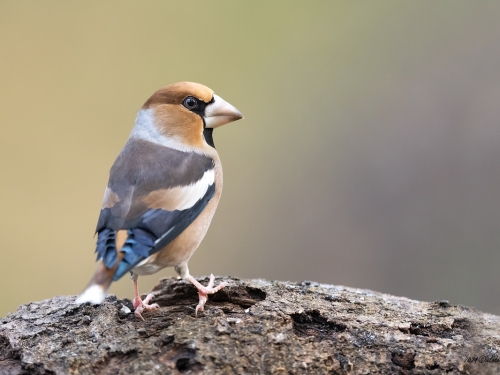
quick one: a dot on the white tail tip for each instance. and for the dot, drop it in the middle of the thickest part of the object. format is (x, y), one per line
(93, 294)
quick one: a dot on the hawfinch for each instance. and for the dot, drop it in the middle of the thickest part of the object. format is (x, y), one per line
(162, 192)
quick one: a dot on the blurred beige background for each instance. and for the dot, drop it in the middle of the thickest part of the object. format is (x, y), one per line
(369, 156)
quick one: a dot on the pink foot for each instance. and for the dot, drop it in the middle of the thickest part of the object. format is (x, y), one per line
(141, 305)
(204, 291)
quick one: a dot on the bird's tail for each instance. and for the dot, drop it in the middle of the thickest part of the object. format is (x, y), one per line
(103, 276)
(98, 285)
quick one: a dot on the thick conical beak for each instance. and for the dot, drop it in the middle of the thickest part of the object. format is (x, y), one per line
(220, 112)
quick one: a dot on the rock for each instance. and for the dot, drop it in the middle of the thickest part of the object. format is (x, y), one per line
(251, 327)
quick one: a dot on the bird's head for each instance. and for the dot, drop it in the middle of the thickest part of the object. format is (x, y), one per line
(186, 112)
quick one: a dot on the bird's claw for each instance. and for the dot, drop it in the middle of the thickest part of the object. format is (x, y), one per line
(141, 305)
(204, 291)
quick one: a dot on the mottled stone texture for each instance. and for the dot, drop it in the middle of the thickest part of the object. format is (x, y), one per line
(250, 327)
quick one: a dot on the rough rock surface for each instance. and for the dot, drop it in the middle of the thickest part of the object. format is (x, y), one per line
(251, 327)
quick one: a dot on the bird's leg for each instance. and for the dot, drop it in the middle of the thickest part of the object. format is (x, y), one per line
(139, 304)
(204, 291)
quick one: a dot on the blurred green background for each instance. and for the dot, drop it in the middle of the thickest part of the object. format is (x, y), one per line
(369, 155)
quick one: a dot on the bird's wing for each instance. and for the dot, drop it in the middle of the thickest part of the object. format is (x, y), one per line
(154, 193)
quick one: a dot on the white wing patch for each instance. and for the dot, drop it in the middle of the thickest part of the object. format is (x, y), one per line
(110, 198)
(180, 197)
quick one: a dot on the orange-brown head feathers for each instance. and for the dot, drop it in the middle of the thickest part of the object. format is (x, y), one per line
(177, 92)
(183, 113)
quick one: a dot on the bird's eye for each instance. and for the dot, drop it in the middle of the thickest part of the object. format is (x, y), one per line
(190, 103)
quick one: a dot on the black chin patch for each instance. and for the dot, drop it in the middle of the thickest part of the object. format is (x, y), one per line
(207, 133)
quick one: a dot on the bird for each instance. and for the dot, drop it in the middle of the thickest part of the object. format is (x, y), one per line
(162, 193)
